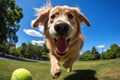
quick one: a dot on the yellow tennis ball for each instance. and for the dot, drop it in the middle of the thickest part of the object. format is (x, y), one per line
(21, 74)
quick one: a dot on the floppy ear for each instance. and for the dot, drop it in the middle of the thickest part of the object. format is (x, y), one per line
(41, 19)
(43, 14)
(84, 19)
(81, 17)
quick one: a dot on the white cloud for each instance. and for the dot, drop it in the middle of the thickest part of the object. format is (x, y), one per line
(33, 32)
(39, 43)
(41, 28)
(101, 46)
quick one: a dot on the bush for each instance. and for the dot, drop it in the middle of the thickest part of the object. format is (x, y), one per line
(113, 52)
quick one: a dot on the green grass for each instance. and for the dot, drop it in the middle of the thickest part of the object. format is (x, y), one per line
(82, 70)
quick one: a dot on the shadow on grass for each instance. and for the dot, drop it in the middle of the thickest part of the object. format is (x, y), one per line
(82, 75)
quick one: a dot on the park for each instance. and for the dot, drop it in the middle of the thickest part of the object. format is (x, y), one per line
(21, 46)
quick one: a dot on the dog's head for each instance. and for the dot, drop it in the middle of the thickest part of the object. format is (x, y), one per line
(62, 23)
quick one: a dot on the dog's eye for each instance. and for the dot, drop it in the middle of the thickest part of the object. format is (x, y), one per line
(53, 16)
(70, 16)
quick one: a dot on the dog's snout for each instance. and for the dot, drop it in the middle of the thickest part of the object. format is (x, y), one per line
(61, 28)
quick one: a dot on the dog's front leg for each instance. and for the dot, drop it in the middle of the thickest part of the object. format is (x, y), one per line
(68, 65)
(55, 66)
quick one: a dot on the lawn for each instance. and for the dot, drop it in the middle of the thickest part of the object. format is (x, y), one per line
(82, 70)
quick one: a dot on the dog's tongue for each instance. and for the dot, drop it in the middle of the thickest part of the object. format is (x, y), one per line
(61, 44)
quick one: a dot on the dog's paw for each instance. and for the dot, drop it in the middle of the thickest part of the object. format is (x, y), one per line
(55, 72)
(68, 67)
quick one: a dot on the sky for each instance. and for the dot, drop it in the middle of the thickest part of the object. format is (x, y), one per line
(103, 15)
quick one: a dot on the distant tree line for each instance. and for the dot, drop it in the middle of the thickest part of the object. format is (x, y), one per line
(30, 51)
(90, 55)
(111, 53)
(41, 52)
(36, 52)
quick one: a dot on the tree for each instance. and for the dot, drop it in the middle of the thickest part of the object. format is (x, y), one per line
(95, 53)
(44, 52)
(23, 49)
(3, 47)
(12, 50)
(113, 52)
(18, 51)
(10, 15)
(33, 51)
(107, 54)
(87, 56)
(30, 51)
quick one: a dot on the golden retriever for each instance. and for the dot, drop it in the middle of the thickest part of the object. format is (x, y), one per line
(63, 34)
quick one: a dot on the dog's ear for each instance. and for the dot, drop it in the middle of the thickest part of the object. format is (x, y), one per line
(41, 19)
(80, 17)
(43, 14)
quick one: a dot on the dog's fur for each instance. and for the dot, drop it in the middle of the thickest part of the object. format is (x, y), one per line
(62, 17)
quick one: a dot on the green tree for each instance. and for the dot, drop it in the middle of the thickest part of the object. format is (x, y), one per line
(107, 54)
(23, 49)
(87, 56)
(33, 51)
(95, 53)
(116, 52)
(12, 50)
(10, 15)
(37, 51)
(113, 52)
(30, 51)
(44, 52)
(18, 51)
(3, 47)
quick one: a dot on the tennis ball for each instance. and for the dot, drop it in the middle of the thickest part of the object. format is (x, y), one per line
(21, 74)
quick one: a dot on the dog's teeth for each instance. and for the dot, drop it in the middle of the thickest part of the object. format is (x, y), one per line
(66, 50)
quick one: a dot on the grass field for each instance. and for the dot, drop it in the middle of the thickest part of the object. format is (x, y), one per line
(82, 70)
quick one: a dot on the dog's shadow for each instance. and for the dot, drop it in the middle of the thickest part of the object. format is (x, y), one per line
(82, 75)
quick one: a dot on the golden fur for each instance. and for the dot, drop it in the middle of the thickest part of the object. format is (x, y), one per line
(49, 16)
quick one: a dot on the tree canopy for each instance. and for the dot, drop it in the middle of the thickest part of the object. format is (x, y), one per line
(10, 15)
(93, 54)
(30, 51)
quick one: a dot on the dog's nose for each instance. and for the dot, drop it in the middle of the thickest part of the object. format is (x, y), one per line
(61, 28)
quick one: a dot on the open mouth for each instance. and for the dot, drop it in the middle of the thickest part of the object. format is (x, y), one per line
(62, 45)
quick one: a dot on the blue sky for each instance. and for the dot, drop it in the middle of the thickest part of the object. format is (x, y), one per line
(104, 16)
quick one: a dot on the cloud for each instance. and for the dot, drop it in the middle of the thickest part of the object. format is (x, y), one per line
(39, 43)
(32, 32)
(101, 46)
(41, 28)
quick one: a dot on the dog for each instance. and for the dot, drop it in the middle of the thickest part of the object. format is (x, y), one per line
(62, 33)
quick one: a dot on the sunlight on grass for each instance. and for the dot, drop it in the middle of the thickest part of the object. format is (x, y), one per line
(82, 70)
